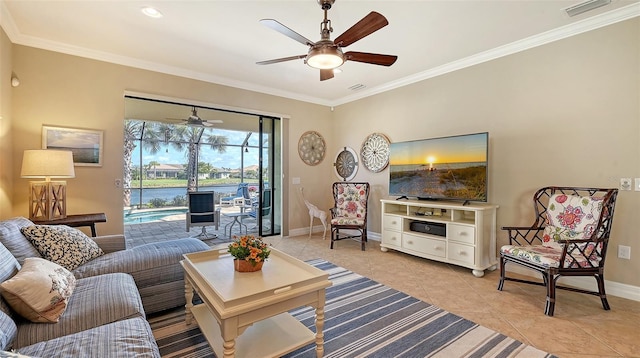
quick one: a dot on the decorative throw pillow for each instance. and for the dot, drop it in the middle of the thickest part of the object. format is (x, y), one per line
(62, 244)
(39, 292)
(571, 217)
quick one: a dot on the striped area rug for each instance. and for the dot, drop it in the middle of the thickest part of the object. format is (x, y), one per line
(364, 318)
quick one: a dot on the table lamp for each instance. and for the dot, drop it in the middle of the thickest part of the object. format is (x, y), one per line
(47, 199)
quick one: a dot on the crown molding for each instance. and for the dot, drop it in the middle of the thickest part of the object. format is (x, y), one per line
(579, 27)
(592, 23)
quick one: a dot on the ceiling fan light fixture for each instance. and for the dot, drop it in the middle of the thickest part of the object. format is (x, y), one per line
(325, 58)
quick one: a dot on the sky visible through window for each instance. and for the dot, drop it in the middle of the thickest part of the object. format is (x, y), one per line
(228, 159)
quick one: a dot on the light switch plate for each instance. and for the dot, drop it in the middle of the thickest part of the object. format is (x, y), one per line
(637, 184)
(625, 183)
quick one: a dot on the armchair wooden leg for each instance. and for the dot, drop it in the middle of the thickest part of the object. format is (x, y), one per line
(603, 295)
(502, 273)
(334, 233)
(551, 295)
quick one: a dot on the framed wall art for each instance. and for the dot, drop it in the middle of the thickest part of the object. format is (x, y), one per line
(85, 144)
(375, 152)
(311, 148)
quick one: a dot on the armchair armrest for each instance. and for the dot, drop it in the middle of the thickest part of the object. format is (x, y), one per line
(333, 212)
(524, 235)
(111, 243)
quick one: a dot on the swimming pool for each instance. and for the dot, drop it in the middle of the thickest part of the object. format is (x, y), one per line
(151, 215)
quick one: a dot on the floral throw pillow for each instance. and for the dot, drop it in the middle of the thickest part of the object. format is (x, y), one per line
(571, 217)
(40, 290)
(64, 245)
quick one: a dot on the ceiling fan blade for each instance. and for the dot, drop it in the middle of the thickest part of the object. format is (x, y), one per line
(372, 58)
(275, 25)
(268, 62)
(326, 75)
(368, 25)
(212, 121)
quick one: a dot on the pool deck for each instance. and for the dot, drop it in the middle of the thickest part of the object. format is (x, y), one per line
(174, 227)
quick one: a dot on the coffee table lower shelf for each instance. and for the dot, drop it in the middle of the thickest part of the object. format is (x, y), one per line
(272, 337)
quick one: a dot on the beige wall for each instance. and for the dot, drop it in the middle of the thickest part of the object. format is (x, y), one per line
(64, 90)
(567, 113)
(6, 158)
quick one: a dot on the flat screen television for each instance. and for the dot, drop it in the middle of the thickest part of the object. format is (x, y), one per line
(451, 168)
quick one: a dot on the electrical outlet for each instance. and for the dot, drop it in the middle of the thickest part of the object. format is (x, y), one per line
(625, 183)
(624, 252)
(637, 184)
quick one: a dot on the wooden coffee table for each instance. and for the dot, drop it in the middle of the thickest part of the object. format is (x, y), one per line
(245, 314)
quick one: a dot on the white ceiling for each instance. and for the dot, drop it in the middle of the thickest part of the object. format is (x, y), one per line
(220, 41)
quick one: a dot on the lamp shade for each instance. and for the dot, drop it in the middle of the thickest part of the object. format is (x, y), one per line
(47, 163)
(325, 57)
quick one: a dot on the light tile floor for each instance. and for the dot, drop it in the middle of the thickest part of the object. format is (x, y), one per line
(579, 328)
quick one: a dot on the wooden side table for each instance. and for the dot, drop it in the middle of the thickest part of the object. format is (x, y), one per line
(89, 220)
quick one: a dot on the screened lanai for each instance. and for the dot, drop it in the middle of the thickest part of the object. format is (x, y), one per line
(172, 149)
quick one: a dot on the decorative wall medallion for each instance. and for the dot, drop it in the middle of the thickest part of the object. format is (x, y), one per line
(346, 164)
(311, 148)
(375, 152)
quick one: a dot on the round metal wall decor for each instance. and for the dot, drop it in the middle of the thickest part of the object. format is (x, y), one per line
(375, 152)
(346, 164)
(311, 148)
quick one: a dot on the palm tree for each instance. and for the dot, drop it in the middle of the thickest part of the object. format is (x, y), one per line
(153, 137)
(191, 136)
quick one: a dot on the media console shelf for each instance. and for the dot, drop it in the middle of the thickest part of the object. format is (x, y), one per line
(463, 235)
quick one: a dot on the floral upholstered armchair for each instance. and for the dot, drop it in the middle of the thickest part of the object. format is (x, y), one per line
(568, 238)
(349, 211)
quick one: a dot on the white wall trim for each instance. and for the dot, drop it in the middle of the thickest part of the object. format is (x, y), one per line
(592, 23)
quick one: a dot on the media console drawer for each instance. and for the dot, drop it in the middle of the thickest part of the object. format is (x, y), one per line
(461, 233)
(392, 222)
(422, 244)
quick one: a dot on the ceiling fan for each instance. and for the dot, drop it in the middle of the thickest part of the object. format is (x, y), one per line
(327, 54)
(195, 121)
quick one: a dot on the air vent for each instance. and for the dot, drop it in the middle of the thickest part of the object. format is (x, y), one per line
(357, 87)
(585, 6)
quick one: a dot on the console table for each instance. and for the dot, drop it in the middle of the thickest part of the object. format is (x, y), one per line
(464, 235)
(89, 220)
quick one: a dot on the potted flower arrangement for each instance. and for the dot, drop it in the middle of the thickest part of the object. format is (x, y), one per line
(249, 253)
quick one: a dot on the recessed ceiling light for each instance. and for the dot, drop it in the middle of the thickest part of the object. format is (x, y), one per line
(151, 12)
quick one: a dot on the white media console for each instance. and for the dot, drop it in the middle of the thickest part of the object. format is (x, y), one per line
(463, 235)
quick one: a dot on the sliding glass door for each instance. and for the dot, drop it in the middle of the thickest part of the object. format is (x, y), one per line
(174, 148)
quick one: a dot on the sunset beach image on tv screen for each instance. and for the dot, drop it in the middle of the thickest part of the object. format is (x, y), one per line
(440, 168)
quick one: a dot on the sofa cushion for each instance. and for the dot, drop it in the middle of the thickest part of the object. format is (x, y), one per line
(62, 244)
(95, 301)
(126, 338)
(14, 241)
(8, 331)
(155, 268)
(39, 292)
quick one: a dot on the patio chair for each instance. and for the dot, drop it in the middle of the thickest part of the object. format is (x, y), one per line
(349, 211)
(241, 197)
(202, 212)
(569, 237)
(265, 210)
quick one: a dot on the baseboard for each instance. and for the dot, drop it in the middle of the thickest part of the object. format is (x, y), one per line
(586, 283)
(319, 229)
